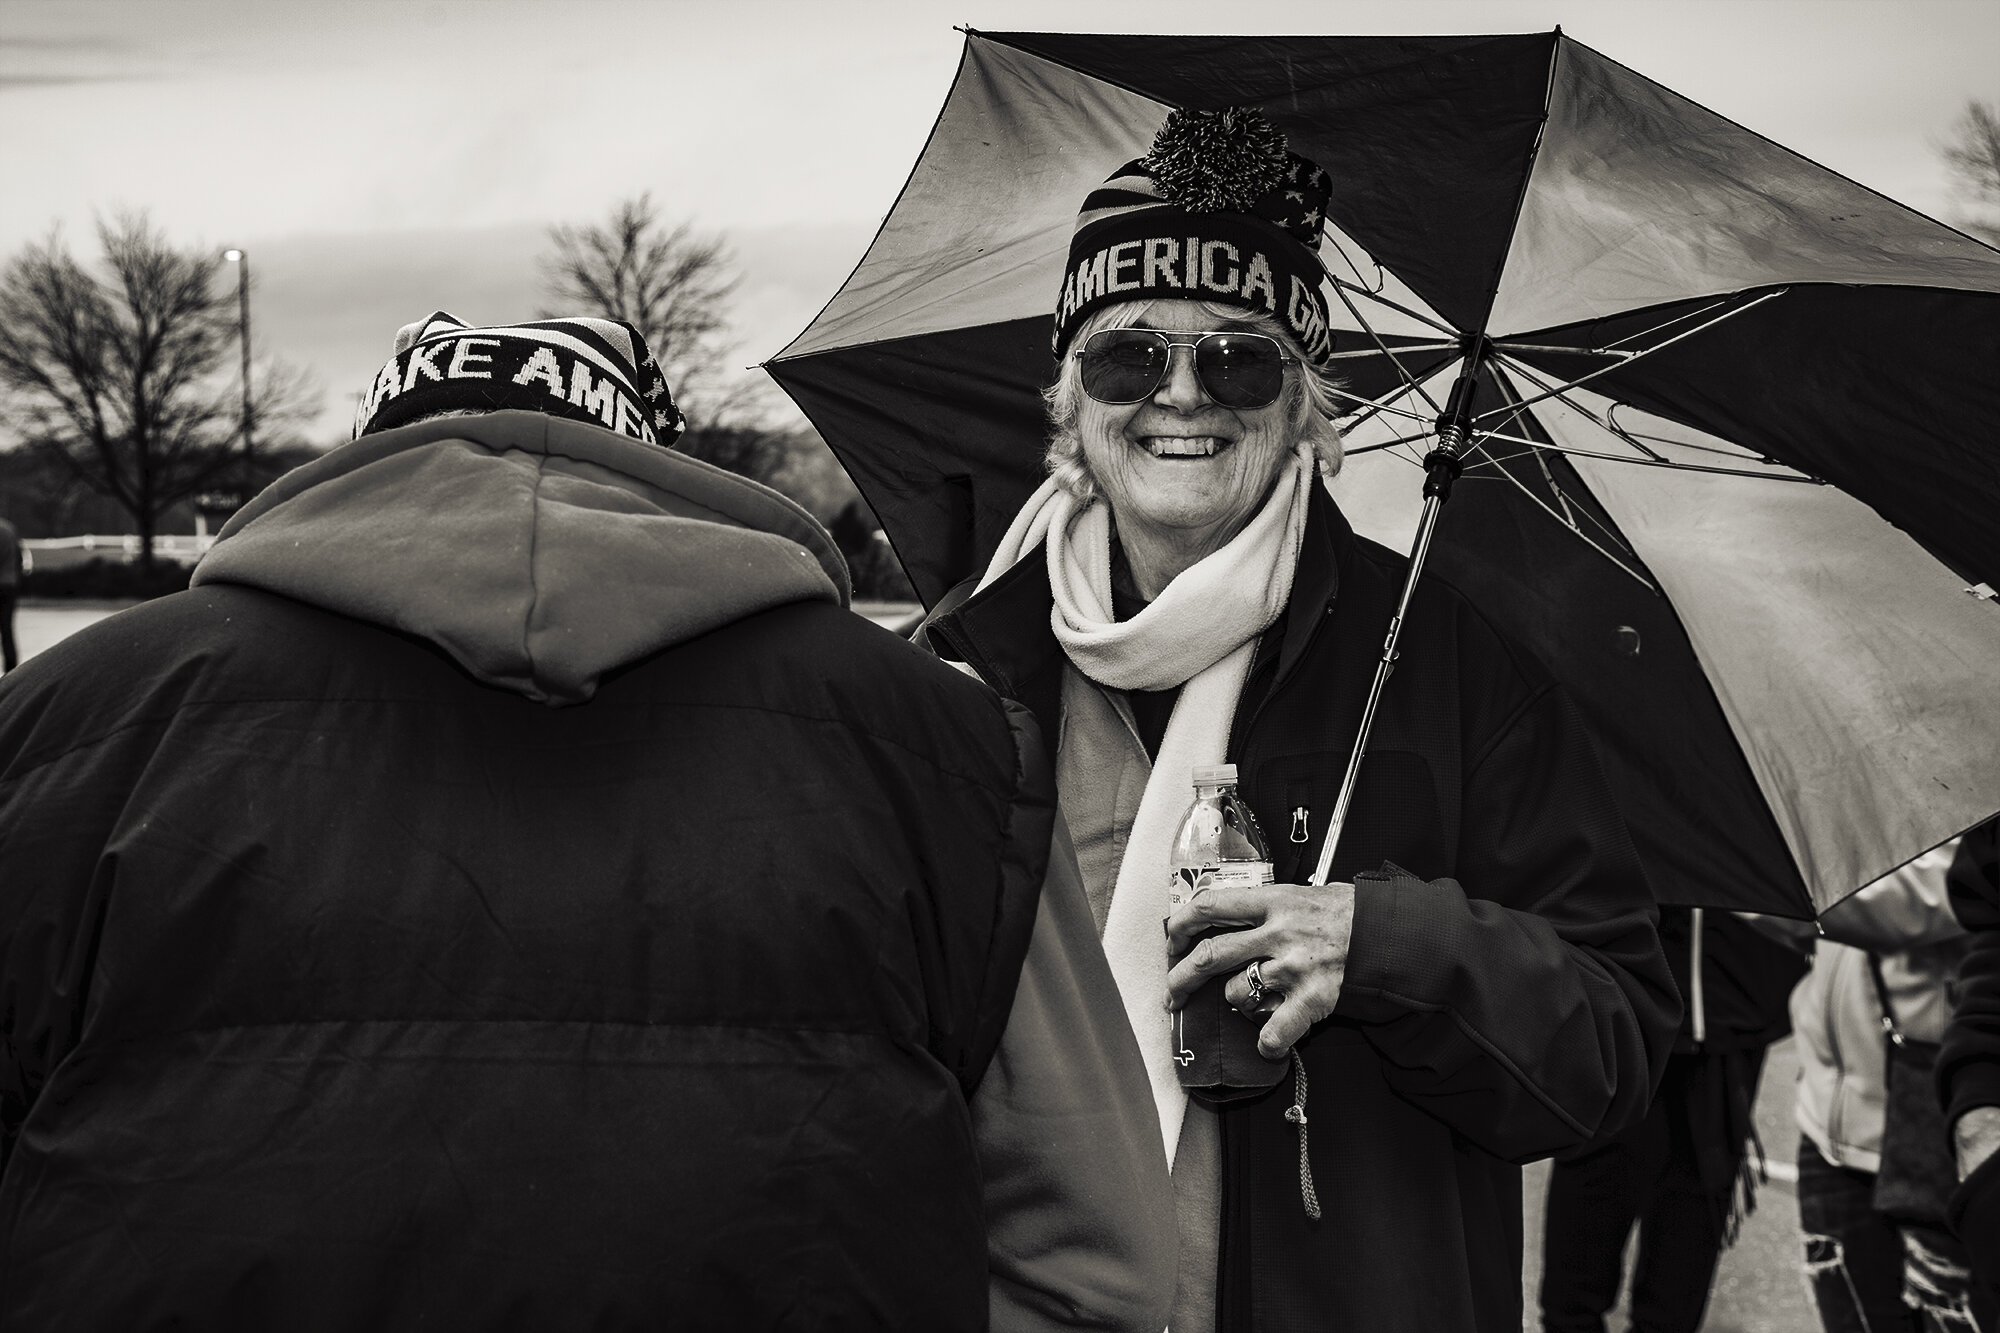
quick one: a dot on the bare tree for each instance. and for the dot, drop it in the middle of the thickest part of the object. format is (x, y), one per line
(122, 381)
(1973, 154)
(668, 281)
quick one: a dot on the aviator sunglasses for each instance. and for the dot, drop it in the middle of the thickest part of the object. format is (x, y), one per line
(1245, 370)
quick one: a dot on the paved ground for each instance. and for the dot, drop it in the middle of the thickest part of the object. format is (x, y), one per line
(1757, 1288)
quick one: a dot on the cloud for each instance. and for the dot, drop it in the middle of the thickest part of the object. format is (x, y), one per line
(43, 62)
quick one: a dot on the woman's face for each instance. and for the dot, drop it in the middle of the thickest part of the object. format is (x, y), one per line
(1178, 467)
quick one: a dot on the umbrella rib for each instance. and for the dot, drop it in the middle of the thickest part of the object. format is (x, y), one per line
(1397, 306)
(1371, 406)
(1652, 458)
(1507, 387)
(1556, 490)
(1672, 466)
(1613, 349)
(1611, 424)
(1581, 535)
(1412, 347)
(1657, 347)
(1561, 395)
(1522, 440)
(1408, 379)
(1384, 444)
(1515, 411)
(1682, 318)
(1565, 351)
(1537, 452)
(1361, 283)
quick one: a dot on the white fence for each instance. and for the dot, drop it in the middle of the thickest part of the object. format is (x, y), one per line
(179, 546)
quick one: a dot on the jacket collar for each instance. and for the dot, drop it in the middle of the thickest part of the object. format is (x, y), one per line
(1328, 548)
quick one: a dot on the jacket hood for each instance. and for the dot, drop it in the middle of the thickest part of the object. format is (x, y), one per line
(539, 553)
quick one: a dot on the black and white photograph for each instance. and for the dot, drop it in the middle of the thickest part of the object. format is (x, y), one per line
(1259, 667)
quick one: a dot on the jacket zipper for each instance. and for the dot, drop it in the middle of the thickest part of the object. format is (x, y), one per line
(1695, 998)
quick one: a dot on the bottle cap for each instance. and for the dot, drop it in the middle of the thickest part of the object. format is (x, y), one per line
(1213, 775)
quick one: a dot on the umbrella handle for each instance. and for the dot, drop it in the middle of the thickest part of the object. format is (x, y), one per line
(1442, 465)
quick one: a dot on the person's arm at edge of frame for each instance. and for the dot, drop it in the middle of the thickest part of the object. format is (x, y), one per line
(1968, 1070)
(1079, 1205)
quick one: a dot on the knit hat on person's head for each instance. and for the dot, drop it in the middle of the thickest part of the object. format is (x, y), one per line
(1219, 210)
(595, 370)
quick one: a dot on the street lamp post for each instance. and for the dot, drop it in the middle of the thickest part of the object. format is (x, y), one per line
(242, 262)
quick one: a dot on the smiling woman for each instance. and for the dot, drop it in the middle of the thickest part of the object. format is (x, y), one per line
(1181, 471)
(1182, 592)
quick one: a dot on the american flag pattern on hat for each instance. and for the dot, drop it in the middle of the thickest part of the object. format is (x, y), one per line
(585, 368)
(1296, 204)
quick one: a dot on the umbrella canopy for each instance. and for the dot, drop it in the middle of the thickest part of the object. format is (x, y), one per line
(1733, 460)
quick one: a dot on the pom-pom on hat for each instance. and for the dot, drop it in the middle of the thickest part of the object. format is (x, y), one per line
(595, 370)
(1219, 210)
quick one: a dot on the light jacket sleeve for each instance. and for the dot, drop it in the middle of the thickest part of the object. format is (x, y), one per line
(1079, 1206)
(1906, 908)
(1526, 1003)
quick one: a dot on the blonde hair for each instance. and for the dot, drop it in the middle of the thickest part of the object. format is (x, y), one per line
(1309, 397)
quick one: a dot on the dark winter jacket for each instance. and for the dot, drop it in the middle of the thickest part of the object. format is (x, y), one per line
(1969, 1063)
(348, 984)
(1505, 999)
(1745, 980)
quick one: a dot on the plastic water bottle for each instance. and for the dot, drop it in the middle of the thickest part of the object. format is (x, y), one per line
(1219, 846)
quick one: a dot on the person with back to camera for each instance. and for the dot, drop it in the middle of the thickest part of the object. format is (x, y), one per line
(1682, 1175)
(510, 890)
(1182, 593)
(1874, 1150)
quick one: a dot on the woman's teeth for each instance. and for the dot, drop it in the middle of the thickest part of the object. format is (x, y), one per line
(1183, 446)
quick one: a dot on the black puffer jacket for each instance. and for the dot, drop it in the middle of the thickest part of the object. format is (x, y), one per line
(1969, 1064)
(1505, 999)
(345, 990)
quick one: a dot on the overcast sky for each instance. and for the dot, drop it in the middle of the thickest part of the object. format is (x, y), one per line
(380, 160)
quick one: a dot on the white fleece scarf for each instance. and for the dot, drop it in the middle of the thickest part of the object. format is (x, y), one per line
(1201, 632)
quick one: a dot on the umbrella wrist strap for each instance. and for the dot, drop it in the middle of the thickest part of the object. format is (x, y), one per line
(1296, 1114)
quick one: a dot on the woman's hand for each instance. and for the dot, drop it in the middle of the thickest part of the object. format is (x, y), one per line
(1301, 935)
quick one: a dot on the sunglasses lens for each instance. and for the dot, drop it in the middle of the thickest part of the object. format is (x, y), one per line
(1240, 369)
(1245, 370)
(1123, 365)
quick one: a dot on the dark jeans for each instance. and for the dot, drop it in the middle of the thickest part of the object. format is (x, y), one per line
(1673, 1173)
(1870, 1274)
(1854, 1255)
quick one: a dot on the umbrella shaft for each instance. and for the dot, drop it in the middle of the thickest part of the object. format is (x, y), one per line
(1426, 525)
(1441, 467)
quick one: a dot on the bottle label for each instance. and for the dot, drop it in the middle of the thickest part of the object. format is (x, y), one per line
(1187, 881)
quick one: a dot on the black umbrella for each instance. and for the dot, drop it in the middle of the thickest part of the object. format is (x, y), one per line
(1656, 320)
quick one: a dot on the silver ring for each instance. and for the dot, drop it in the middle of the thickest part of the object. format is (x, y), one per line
(1255, 977)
